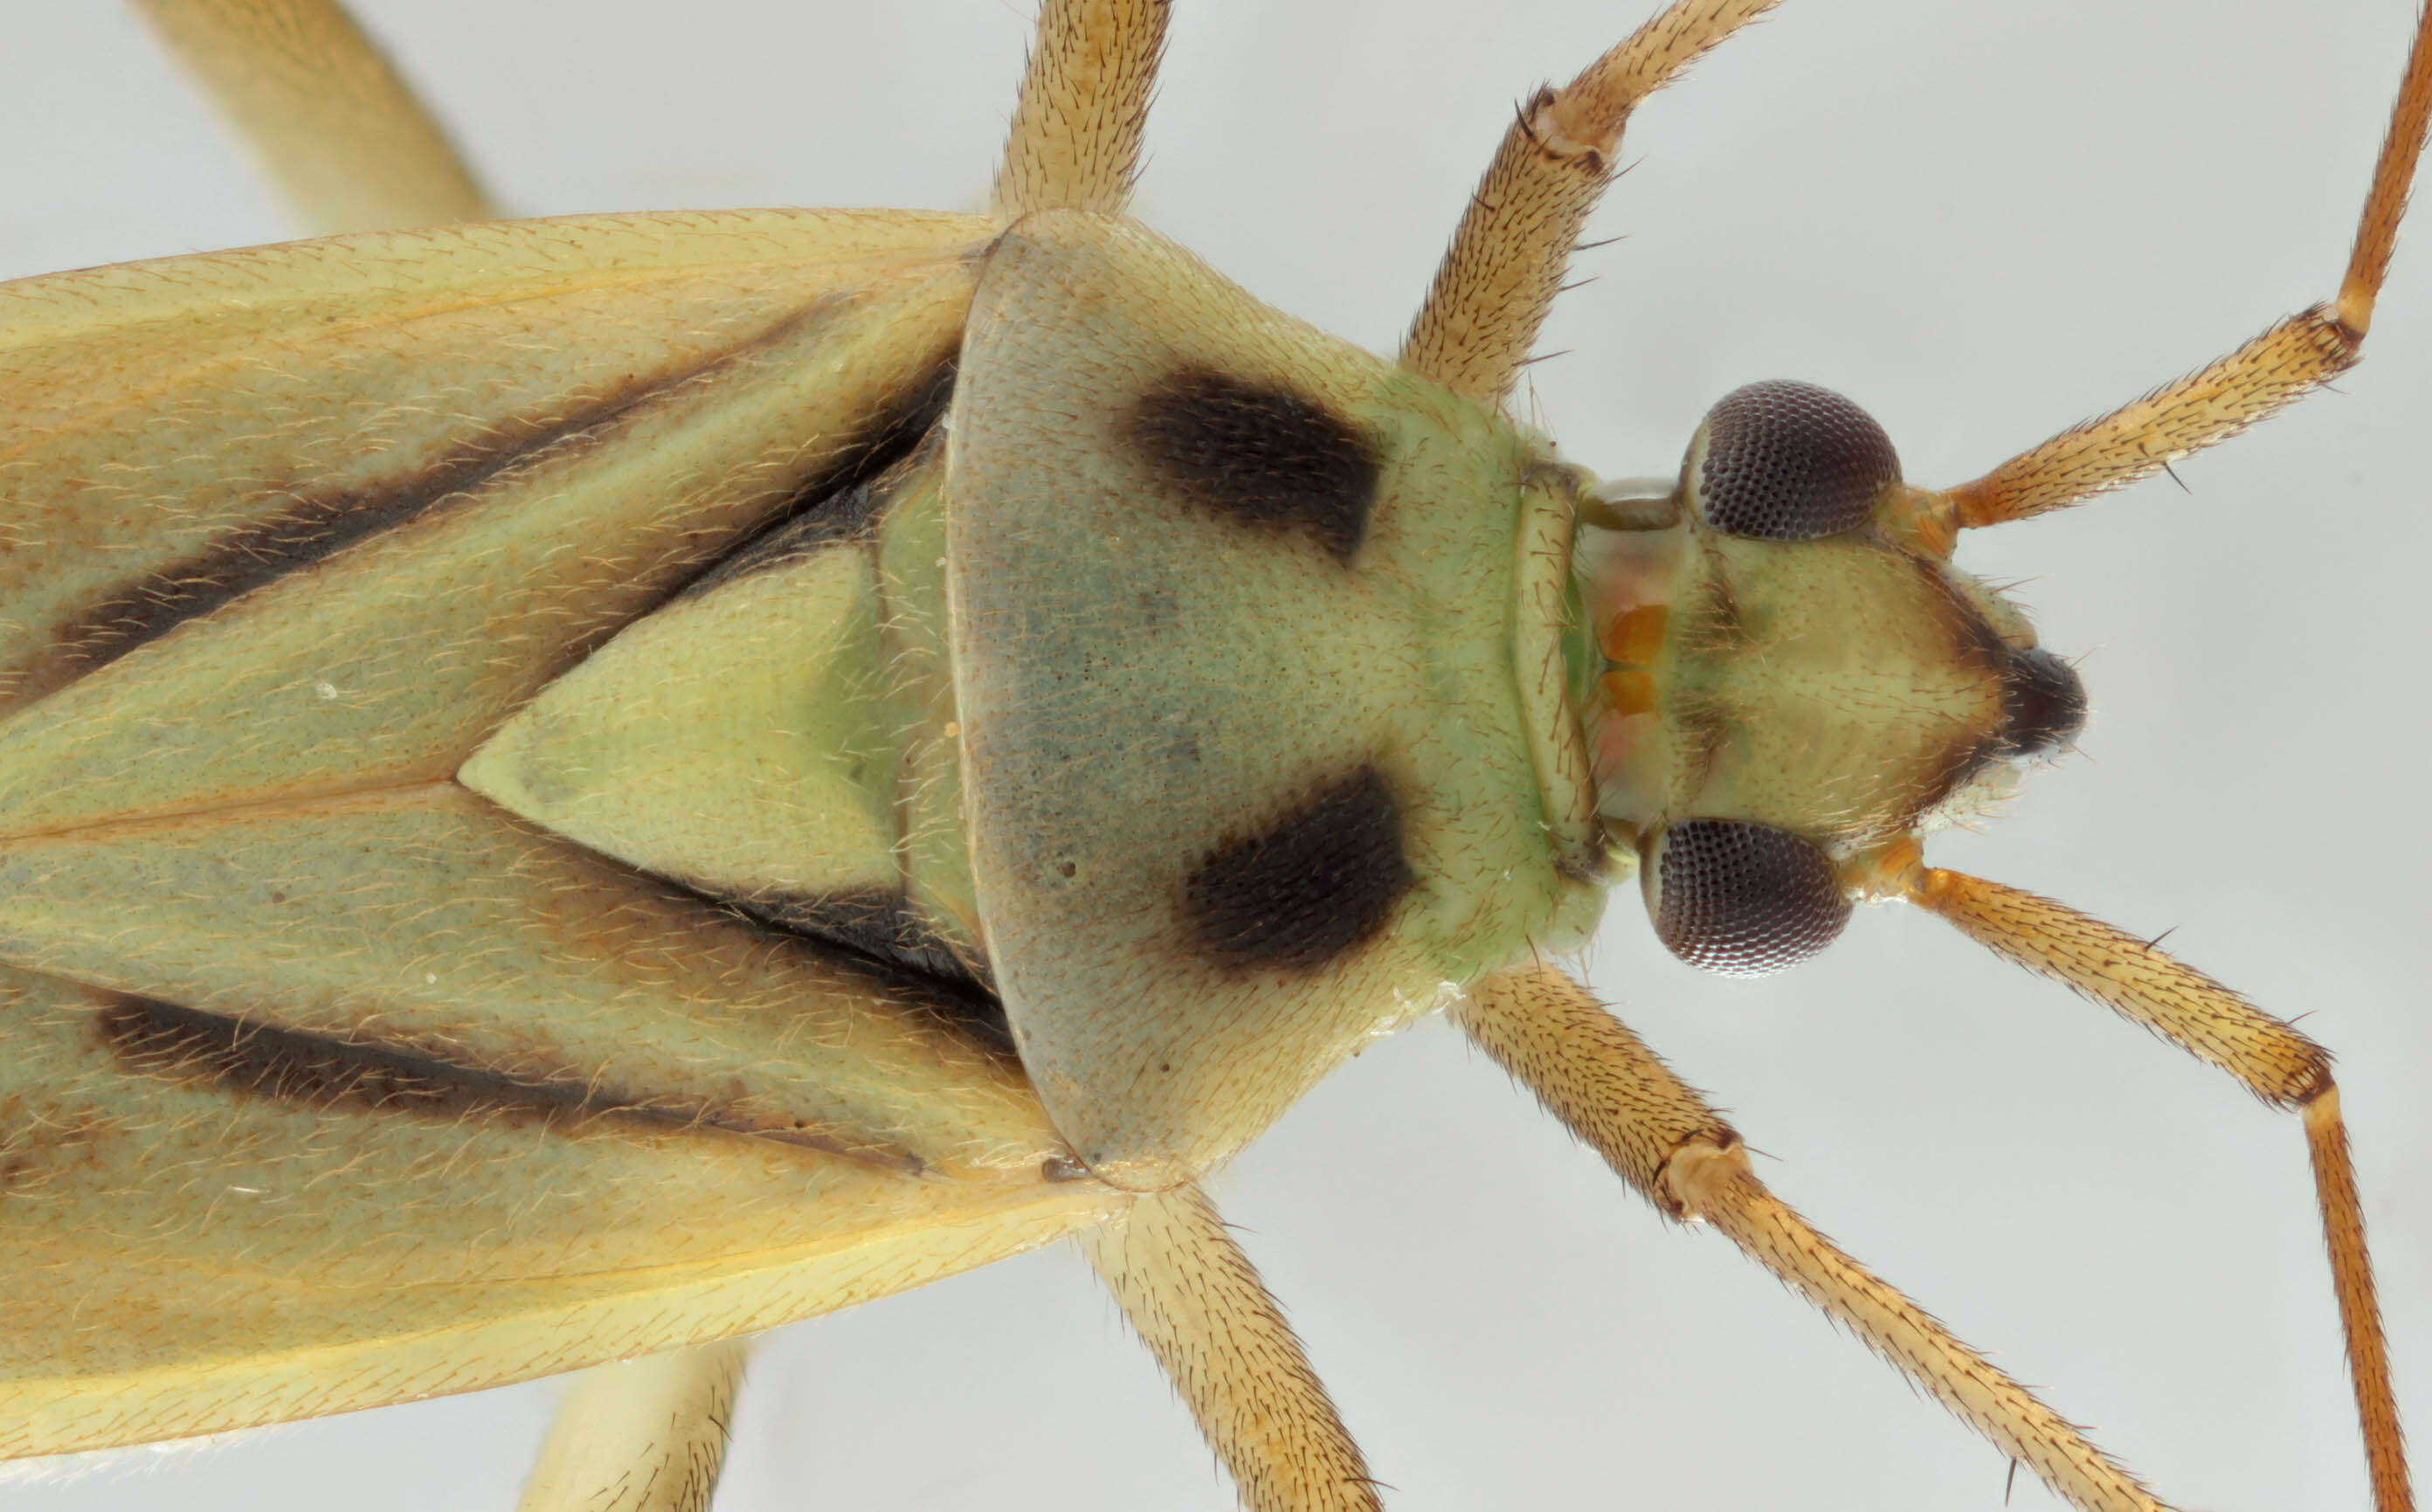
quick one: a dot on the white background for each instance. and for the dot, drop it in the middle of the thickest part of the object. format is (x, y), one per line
(1981, 221)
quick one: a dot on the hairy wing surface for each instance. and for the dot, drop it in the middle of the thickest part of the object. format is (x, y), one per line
(327, 1083)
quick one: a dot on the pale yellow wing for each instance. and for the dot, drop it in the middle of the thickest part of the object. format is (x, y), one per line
(209, 1227)
(354, 500)
(327, 1083)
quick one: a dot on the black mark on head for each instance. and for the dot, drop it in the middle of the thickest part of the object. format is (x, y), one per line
(2043, 702)
(1320, 881)
(1258, 453)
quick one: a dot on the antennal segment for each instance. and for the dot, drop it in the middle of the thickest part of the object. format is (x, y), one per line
(2283, 364)
(2268, 1056)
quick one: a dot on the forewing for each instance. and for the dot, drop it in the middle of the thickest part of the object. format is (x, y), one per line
(208, 1227)
(315, 517)
(323, 1081)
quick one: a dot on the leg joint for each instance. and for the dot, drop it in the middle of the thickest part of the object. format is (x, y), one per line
(1691, 1181)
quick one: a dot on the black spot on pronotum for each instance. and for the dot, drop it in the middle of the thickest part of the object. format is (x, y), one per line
(1310, 886)
(1259, 453)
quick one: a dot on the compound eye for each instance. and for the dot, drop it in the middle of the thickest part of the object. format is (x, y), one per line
(1743, 899)
(1788, 461)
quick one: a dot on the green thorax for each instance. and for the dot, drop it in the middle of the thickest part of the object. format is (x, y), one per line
(1198, 686)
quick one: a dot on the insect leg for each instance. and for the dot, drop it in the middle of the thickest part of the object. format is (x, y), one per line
(1506, 262)
(640, 1436)
(1085, 95)
(2200, 1015)
(2286, 363)
(1198, 1303)
(340, 132)
(1659, 1135)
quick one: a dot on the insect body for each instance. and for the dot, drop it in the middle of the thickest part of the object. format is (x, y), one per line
(2043, 1008)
